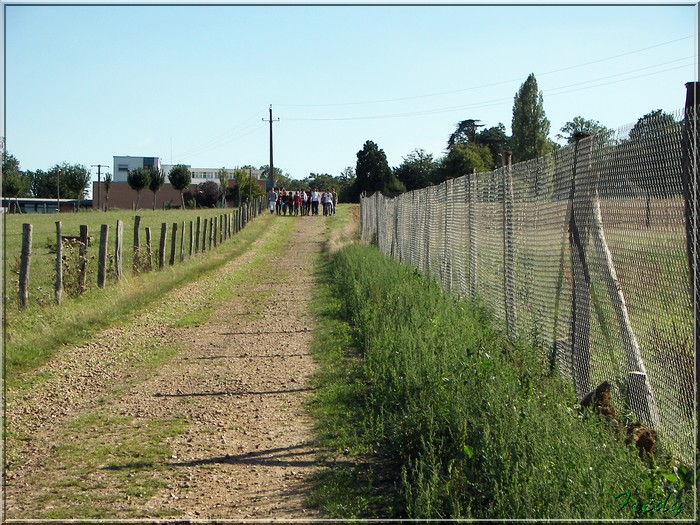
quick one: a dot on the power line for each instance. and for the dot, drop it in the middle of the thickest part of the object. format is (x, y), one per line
(220, 139)
(502, 100)
(482, 86)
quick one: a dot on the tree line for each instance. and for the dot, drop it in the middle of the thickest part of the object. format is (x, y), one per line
(473, 147)
(66, 181)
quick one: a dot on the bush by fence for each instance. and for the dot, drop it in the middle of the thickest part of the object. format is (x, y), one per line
(584, 252)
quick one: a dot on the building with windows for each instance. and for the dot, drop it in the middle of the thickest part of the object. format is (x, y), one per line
(122, 196)
(123, 164)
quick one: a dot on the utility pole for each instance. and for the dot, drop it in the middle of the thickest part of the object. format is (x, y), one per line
(98, 166)
(271, 176)
(58, 190)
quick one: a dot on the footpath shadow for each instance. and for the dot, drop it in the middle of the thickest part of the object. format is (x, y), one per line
(234, 393)
(292, 456)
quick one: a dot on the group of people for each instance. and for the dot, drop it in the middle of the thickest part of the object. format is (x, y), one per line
(304, 202)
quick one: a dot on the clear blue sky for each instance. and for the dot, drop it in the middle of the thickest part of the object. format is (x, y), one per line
(192, 84)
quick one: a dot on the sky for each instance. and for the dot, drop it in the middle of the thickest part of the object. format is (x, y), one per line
(193, 84)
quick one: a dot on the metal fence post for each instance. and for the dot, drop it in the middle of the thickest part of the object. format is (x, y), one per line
(691, 195)
(508, 261)
(471, 199)
(579, 224)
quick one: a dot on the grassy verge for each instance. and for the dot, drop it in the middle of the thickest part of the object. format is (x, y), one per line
(32, 337)
(463, 422)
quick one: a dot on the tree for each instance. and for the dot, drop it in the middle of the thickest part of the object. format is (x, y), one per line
(282, 180)
(108, 185)
(346, 185)
(321, 181)
(496, 140)
(582, 125)
(223, 184)
(180, 178)
(40, 185)
(530, 124)
(208, 194)
(14, 183)
(157, 179)
(138, 179)
(417, 170)
(463, 159)
(373, 172)
(651, 125)
(465, 133)
(241, 177)
(72, 180)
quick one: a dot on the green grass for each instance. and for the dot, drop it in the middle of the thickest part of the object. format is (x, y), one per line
(107, 462)
(32, 335)
(42, 267)
(464, 422)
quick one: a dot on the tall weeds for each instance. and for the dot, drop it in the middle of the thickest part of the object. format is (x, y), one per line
(473, 423)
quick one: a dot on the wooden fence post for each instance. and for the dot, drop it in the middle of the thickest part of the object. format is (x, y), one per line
(221, 229)
(214, 230)
(196, 235)
(58, 288)
(204, 235)
(191, 238)
(173, 244)
(82, 257)
(102, 258)
(118, 241)
(182, 241)
(161, 253)
(24, 265)
(211, 233)
(137, 244)
(149, 249)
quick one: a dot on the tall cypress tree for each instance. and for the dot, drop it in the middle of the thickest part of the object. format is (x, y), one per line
(530, 125)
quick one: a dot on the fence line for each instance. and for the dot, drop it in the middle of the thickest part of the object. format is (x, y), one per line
(140, 262)
(583, 252)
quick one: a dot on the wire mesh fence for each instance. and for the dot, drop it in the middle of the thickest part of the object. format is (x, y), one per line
(583, 252)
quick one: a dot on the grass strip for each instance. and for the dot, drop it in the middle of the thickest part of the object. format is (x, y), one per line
(463, 422)
(31, 339)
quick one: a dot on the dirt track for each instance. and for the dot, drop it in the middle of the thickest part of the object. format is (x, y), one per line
(213, 427)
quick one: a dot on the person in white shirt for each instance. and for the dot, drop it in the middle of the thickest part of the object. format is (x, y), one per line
(315, 199)
(272, 199)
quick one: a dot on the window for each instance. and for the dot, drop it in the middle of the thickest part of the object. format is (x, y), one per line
(123, 167)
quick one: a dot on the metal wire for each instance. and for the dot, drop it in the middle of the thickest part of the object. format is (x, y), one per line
(582, 252)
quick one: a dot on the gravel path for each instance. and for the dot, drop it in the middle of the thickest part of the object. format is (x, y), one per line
(211, 382)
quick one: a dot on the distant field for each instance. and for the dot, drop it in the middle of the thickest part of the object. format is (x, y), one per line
(42, 268)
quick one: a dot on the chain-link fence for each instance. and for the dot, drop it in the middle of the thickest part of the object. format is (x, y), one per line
(584, 252)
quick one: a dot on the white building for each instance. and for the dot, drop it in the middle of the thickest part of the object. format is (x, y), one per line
(122, 165)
